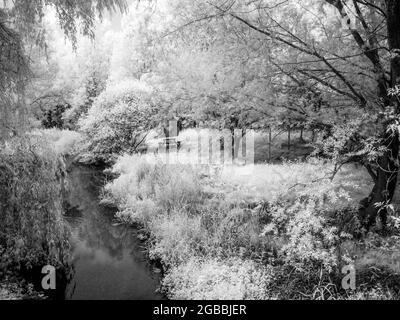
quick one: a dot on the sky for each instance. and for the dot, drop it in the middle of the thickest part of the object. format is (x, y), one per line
(116, 18)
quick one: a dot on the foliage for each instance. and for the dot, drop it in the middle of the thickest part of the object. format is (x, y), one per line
(53, 117)
(118, 121)
(32, 232)
(153, 185)
(15, 290)
(27, 15)
(233, 279)
(66, 142)
(21, 23)
(198, 222)
(223, 64)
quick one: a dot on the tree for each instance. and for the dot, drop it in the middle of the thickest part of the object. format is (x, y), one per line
(13, 74)
(119, 121)
(354, 70)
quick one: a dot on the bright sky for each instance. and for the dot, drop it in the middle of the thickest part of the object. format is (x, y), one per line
(116, 18)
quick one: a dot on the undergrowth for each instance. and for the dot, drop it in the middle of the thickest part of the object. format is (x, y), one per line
(220, 237)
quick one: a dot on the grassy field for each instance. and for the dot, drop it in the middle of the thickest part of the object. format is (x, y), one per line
(279, 149)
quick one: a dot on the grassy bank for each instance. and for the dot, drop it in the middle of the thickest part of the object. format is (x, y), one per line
(273, 232)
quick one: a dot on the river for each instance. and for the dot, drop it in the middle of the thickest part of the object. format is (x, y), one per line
(108, 259)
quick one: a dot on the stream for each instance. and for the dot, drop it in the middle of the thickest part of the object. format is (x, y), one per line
(108, 259)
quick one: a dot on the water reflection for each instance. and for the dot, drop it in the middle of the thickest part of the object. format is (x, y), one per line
(108, 259)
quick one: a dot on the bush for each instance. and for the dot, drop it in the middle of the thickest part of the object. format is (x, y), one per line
(117, 122)
(32, 232)
(307, 219)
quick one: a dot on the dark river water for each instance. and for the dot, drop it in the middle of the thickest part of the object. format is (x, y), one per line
(108, 260)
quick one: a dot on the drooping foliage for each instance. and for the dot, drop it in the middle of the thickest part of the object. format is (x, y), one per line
(32, 231)
(73, 16)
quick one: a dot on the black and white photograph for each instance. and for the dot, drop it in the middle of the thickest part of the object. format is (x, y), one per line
(199, 150)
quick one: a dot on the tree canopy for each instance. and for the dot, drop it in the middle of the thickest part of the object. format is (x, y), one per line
(331, 66)
(21, 22)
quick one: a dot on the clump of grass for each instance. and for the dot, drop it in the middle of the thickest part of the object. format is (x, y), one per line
(212, 279)
(153, 187)
(177, 237)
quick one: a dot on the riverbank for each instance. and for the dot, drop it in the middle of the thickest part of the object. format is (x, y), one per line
(272, 232)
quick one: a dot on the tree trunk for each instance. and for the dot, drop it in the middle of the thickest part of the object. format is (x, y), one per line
(385, 181)
(269, 144)
(166, 133)
(385, 177)
(233, 141)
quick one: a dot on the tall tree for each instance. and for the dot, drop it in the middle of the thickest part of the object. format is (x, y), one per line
(347, 52)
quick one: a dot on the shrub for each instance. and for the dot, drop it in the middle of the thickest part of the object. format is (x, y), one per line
(117, 122)
(308, 220)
